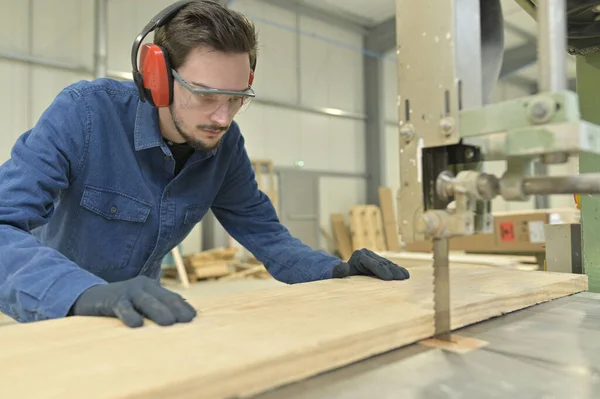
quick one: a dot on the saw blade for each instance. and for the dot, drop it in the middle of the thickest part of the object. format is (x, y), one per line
(441, 288)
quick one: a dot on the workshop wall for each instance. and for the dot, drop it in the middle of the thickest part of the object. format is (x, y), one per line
(304, 66)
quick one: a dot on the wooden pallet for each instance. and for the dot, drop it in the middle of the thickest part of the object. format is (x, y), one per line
(366, 228)
(265, 177)
(209, 264)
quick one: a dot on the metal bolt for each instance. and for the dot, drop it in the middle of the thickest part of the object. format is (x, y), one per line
(542, 110)
(407, 132)
(447, 126)
(469, 153)
(539, 110)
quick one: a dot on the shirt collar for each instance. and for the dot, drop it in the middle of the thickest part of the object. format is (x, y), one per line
(147, 129)
(147, 132)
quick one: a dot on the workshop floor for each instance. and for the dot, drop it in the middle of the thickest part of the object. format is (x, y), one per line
(201, 289)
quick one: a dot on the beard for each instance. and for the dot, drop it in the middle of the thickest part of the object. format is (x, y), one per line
(193, 142)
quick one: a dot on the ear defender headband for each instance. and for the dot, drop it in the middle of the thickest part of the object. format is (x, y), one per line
(155, 80)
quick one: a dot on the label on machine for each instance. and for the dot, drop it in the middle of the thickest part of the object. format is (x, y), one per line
(507, 231)
(536, 231)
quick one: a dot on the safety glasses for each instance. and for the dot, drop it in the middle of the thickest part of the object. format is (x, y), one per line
(209, 100)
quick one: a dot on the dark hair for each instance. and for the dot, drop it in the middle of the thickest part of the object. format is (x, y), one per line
(206, 22)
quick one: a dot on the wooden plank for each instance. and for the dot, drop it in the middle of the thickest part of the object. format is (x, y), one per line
(425, 259)
(245, 343)
(388, 214)
(341, 235)
(183, 277)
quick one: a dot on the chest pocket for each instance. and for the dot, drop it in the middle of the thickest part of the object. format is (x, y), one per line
(110, 227)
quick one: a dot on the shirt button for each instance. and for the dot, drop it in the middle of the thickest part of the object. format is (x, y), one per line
(167, 158)
(113, 209)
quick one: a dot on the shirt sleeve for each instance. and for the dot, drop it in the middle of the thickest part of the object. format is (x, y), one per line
(36, 281)
(248, 215)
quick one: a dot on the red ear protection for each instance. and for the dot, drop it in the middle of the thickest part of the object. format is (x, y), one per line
(153, 78)
(156, 75)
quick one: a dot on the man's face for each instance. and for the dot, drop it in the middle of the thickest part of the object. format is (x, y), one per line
(201, 119)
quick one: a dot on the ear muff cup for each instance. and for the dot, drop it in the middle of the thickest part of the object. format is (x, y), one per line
(157, 78)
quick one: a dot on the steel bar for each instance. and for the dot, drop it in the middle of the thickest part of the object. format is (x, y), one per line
(441, 288)
(588, 87)
(100, 38)
(585, 183)
(552, 41)
(33, 60)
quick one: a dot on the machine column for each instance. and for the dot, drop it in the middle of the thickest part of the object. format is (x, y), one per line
(588, 90)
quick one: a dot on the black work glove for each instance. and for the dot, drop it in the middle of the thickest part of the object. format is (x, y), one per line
(132, 300)
(367, 263)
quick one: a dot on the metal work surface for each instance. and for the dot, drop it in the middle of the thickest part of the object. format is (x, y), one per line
(547, 351)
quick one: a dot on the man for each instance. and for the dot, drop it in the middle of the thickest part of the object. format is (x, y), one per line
(115, 174)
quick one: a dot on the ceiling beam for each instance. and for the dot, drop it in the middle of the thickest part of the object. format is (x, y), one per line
(337, 18)
(382, 37)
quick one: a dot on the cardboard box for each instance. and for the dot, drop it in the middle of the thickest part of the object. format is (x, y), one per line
(514, 232)
(523, 231)
(468, 243)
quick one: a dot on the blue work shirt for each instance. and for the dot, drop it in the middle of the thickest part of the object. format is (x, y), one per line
(89, 196)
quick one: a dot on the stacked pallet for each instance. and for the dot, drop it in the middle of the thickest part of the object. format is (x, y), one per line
(219, 264)
(213, 263)
(266, 180)
(209, 264)
(251, 268)
(371, 226)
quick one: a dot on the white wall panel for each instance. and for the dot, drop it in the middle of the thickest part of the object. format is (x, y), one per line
(331, 73)
(14, 78)
(14, 17)
(277, 68)
(287, 136)
(126, 18)
(338, 194)
(14, 25)
(252, 125)
(346, 145)
(64, 30)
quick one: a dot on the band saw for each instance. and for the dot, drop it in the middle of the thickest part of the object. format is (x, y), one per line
(449, 58)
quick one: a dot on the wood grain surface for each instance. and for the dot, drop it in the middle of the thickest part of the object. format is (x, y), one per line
(245, 343)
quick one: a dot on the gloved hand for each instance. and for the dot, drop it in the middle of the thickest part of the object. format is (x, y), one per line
(132, 300)
(367, 263)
